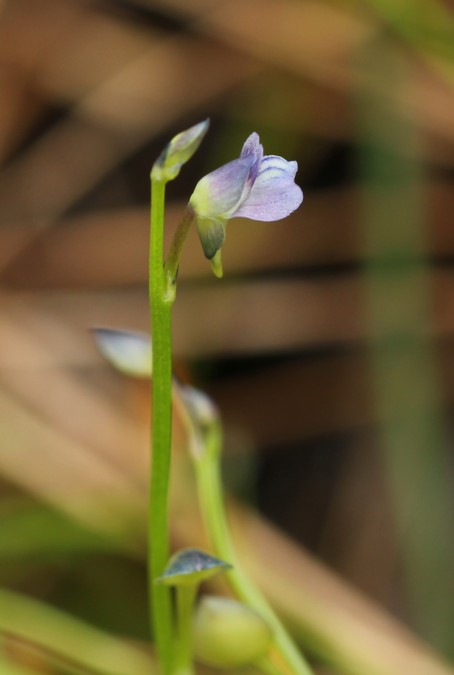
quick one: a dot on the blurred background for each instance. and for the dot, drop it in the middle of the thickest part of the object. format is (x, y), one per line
(327, 346)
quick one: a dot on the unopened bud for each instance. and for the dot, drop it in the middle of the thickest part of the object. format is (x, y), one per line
(190, 566)
(228, 634)
(178, 152)
(128, 351)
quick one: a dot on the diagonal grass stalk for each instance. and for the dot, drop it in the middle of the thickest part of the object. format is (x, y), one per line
(209, 482)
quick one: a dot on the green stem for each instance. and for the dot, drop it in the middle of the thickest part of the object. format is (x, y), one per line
(185, 596)
(211, 499)
(65, 639)
(161, 432)
(162, 289)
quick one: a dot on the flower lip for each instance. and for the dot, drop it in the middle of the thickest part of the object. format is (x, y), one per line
(274, 194)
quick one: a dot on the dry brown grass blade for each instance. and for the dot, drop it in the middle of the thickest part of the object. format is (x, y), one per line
(131, 107)
(29, 34)
(325, 611)
(62, 472)
(173, 78)
(253, 315)
(135, 103)
(330, 395)
(35, 348)
(327, 615)
(326, 231)
(74, 254)
(63, 440)
(323, 42)
(83, 482)
(44, 336)
(272, 315)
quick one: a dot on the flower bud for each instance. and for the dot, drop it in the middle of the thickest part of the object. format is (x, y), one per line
(190, 566)
(128, 351)
(178, 152)
(227, 634)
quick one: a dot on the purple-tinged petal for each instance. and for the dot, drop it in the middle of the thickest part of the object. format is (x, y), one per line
(253, 148)
(219, 193)
(274, 194)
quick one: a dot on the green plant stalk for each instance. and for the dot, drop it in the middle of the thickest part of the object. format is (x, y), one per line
(209, 484)
(176, 247)
(185, 597)
(161, 432)
(162, 291)
(64, 638)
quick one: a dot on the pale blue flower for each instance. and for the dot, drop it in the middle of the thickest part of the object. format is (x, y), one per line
(256, 186)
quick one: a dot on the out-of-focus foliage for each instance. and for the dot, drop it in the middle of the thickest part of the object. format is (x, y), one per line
(327, 346)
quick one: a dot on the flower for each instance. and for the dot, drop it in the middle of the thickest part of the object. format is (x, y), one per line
(256, 186)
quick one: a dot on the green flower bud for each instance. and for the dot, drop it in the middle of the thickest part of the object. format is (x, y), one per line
(203, 417)
(178, 152)
(227, 634)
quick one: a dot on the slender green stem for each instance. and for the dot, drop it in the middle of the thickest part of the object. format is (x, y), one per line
(185, 596)
(65, 639)
(211, 499)
(162, 289)
(161, 432)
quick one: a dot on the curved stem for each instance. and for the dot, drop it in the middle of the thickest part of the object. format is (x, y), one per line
(176, 247)
(211, 498)
(161, 432)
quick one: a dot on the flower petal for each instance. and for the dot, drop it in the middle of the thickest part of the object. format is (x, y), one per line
(253, 148)
(274, 194)
(219, 193)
